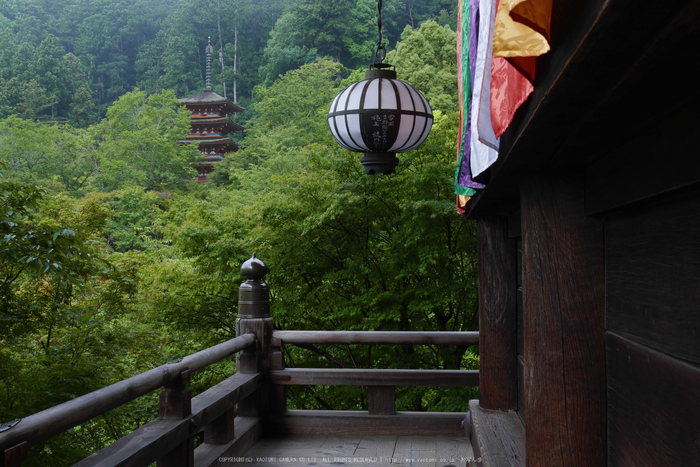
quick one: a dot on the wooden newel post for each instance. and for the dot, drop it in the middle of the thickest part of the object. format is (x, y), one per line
(254, 317)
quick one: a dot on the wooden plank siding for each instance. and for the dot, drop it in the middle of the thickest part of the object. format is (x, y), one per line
(653, 330)
(599, 176)
(653, 407)
(653, 274)
(614, 181)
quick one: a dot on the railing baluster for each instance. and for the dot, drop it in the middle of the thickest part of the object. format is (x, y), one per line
(278, 394)
(261, 395)
(14, 456)
(381, 400)
(220, 431)
(249, 362)
(176, 404)
(254, 318)
(176, 399)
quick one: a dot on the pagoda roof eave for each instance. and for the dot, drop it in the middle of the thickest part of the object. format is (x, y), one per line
(227, 120)
(206, 140)
(210, 97)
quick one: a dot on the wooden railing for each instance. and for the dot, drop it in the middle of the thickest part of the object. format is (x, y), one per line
(233, 415)
(381, 416)
(168, 440)
(165, 440)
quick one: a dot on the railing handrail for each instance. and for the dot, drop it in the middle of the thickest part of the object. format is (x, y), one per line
(378, 337)
(50, 422)
(373, 377)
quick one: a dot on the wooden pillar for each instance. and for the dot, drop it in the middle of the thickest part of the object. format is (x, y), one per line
(498, 385)
(176, 404)
(256, 360)
(563, 325)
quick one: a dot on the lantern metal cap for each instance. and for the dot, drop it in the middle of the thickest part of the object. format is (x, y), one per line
(380, 73)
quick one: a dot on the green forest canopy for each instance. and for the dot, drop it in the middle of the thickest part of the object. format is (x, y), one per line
(72, 49)
(111, 263)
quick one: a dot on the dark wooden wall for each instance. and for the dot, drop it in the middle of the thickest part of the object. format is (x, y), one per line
(653, 331)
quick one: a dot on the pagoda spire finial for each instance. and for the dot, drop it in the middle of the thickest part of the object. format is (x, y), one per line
(209, 51)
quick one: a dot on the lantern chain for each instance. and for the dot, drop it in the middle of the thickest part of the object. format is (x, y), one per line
(380, 54)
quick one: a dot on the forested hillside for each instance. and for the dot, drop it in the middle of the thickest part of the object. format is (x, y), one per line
(111, 262)
(58, 53)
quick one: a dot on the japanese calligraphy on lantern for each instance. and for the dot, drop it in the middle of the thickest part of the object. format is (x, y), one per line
(381, 125)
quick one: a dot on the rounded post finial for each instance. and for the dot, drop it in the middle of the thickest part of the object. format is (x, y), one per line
(253, 269)
(254, 295)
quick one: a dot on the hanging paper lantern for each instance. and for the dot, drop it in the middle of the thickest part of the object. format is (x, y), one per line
(380, 116)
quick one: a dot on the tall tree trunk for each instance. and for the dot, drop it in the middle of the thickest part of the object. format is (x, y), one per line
(221, 43)
(235, 60)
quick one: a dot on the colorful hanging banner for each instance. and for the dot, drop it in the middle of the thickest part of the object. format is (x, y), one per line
(484, 149)
(496, 47)
(464, 187)
(522, 28)
(466, 48)
(521, 32)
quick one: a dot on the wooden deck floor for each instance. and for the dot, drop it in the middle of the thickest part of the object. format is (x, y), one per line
(332, 450)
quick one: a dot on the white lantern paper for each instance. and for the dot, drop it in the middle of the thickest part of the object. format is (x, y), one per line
(380, 116)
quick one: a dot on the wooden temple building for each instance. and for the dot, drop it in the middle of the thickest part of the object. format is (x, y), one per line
(589, 293)
(211, 125)
(589, 243)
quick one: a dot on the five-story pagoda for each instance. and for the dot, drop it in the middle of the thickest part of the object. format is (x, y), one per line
(211, 124)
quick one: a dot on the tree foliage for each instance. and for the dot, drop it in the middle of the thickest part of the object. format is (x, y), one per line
(42, 83)
(139, 142)
(347, 252)
(159, 45)
(110, 263)
(55, 156)
(290, 114)
(426, 58)
(352, 252)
